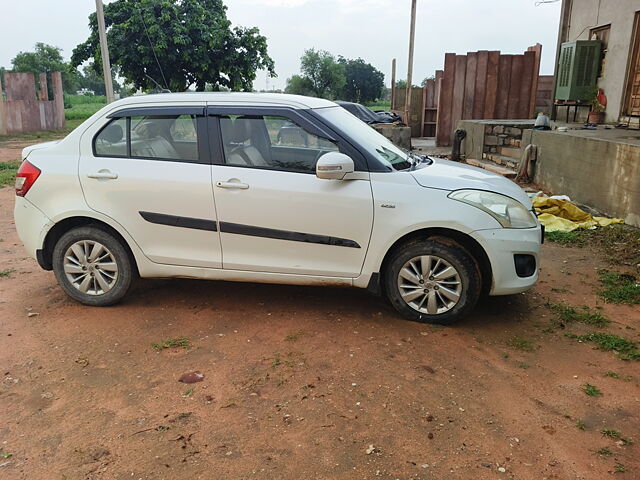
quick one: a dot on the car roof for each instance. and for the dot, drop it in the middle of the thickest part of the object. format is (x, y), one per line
(228, 98)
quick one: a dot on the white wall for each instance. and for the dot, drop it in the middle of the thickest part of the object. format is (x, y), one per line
(588, 14)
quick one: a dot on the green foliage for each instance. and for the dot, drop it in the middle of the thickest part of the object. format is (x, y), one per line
(92, 80)
(607, 432)
(6, 273)
(619, 288)
(379, 105)
(591, 390)
(324, 73)
(298, 85)
(567, 314)
(626, 349)
(193, 41)
(581, 425)
(46, 59)
(521, 343)
(576, 238)
(363, 82)
(604, 451)
(172, 343)
(8, 172)
(619, 468)
(402, 84)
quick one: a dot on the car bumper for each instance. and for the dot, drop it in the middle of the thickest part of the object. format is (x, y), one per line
(514, 257)
(31, 224)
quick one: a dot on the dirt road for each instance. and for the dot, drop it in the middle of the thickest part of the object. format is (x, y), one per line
(306, 383)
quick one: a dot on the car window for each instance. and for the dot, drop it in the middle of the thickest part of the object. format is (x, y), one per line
(112, 140)
(164, 137)
(272, 142)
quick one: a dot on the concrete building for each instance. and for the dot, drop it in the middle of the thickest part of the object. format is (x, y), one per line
(616, 23)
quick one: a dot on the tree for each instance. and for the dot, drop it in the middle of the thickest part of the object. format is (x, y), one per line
(299, 86)
(324, 74)
(192, 40)
(403, 84)
(426, 79)
(91, 80)
(46, 59)
(363, 82)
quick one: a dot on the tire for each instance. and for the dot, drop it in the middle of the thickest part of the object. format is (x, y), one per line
(451, 291)
(103, 276)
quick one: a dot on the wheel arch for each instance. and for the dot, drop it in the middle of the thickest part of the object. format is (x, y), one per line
(446, 236)
(45, 256)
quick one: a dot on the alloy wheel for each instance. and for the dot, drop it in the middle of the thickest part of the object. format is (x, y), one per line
(90, 267)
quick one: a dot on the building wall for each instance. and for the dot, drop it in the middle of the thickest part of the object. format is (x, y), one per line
(600, 173)
(589, 14)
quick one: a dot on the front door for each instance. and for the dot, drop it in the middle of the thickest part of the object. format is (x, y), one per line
(274, 214)
(146, 170)
(632, 106)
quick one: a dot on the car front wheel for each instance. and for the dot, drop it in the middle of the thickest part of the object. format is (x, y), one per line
(92, 266)
(431, 282)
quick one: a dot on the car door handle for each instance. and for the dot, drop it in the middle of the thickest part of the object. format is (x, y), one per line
(103, 174)
(238, 185)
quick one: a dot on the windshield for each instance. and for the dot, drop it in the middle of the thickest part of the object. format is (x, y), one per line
(367, 137)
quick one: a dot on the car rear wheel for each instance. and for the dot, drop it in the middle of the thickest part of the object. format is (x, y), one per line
(92, 266)
(431, 282)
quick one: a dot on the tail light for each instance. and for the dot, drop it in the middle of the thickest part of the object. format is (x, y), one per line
(26, 177)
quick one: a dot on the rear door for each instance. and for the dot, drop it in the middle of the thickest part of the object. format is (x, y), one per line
(274, 214)
(149, 170)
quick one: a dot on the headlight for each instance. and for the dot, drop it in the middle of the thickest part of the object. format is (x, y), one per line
(508, 212)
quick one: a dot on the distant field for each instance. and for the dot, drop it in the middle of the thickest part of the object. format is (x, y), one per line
(379, 105)
(81, 107)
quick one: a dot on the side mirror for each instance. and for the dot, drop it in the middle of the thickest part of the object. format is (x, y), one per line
(334, 166)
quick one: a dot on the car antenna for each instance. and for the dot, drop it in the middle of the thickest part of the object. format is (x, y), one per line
(153, 49)
(162, 90)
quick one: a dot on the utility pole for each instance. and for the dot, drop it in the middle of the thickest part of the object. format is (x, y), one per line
(104, 51)
(412, 34)
(393, 84)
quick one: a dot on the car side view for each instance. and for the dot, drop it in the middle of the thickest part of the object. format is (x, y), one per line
(268, 188)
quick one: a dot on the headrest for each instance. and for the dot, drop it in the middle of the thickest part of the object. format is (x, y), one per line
(148, 129)
(113, 133)
(241, 129)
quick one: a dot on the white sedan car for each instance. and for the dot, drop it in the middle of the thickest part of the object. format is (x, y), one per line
(268, 188)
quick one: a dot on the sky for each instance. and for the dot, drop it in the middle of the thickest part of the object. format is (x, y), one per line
(375, 30)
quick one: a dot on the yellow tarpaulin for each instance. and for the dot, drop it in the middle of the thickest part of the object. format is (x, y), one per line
(563, 216)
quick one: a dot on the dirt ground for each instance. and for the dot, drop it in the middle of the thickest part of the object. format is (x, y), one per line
(307, 383)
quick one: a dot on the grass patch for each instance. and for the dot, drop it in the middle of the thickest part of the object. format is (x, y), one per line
(292, 337)
(379, 105)
(521, 343)
(604, 451)
(188, 393)
(591, 390)
(6, 455)
(172, 343)
(523, 365)
(607, 432)
(575, 238)
(581, 425)
(620, 468)
(619, 288)
(567, 314)
(6, 273)
(626, 378)
(82, 110)
(8, 172)
(625, 348)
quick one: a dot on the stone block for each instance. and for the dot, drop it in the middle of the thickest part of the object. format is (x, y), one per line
(498, 129)
(490, 140)
(513, 132)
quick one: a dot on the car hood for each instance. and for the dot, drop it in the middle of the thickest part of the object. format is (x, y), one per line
(447, 175)
(31, 148)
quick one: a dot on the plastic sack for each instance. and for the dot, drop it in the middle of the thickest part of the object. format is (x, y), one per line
(558, 215)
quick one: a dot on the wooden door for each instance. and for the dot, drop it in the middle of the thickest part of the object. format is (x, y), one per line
(632, 106)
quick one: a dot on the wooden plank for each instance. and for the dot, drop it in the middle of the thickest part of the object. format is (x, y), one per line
(491, 92)
(537, 49)
(469, 85)
(504, 80)
(527, 93)
(517, 67)
(481, 85)
(58, 98)
(445, 101)
(457, 105)
(44, 91)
